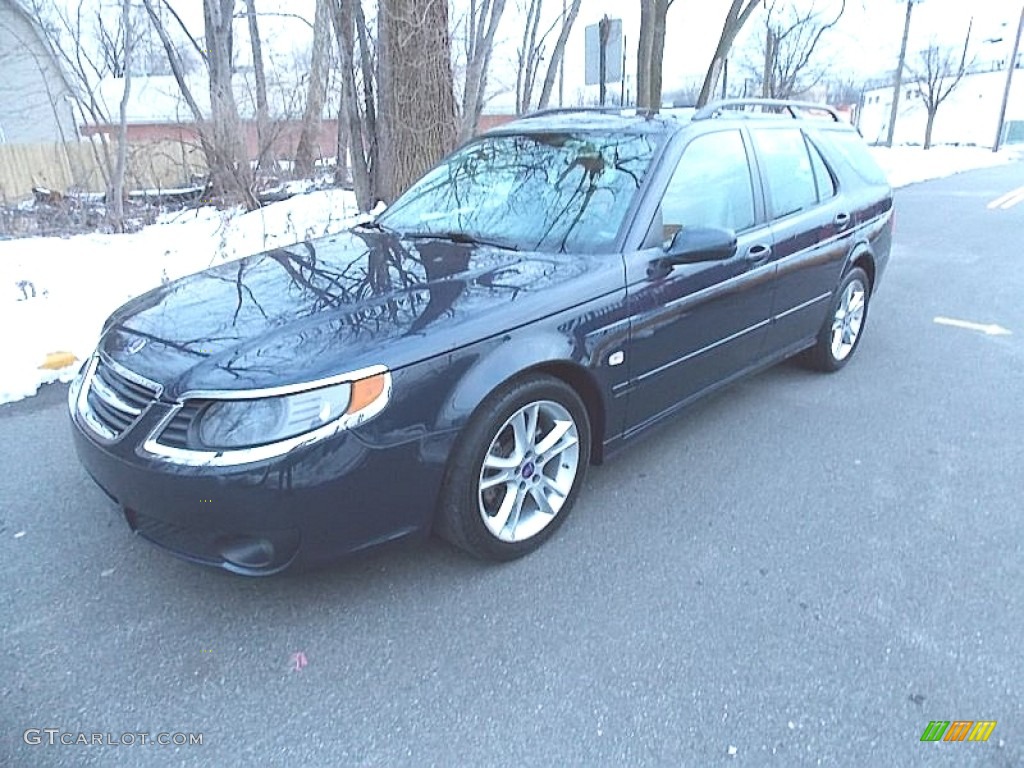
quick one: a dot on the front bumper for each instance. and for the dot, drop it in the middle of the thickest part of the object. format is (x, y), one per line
(307, 507)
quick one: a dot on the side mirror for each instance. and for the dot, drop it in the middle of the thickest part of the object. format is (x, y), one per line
(691, 245)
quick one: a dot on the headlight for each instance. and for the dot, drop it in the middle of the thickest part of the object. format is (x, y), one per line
(229, 428)
(231, 424)
(242, 423)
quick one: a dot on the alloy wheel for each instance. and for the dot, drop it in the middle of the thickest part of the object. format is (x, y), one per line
(528, 471)
(848, 319)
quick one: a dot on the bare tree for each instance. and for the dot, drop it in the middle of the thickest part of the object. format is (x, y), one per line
(89, 55)
(938, 73)
(558, 53)
(117, 191)
(220, 135)
(529, 55)
(357, 119)
(416, 99)
(791, 39)
(263, 138)
(532, 52)
(651, 52)
(112, 43)
(316, 91)
(66, 33)
(230, 174)
(739, 12)
(484, 17)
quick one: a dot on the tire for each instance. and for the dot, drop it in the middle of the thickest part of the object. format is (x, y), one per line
(495, 456)
(843, 328)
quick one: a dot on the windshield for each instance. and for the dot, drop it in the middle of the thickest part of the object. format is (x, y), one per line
(544, 191)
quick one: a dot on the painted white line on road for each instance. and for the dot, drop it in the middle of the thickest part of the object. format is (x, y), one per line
(989, 330)
(1010, 199)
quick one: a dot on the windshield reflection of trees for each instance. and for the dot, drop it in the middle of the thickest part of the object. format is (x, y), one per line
(363, 284)
(545, 191)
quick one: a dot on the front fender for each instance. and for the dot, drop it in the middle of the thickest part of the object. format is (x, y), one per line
(497, 362)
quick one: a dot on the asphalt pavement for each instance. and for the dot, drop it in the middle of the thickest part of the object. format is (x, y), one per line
(802, 570)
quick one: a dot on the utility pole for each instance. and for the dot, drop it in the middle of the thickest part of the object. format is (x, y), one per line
(899, 75)
(604, 30)
(1009, 82)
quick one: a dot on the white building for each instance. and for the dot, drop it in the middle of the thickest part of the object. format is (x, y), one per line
(35, 104)
(969, 115)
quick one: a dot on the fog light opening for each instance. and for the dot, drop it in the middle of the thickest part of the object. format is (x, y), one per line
(247, 552)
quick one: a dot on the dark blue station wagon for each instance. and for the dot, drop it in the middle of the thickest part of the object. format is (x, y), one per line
(546, 294)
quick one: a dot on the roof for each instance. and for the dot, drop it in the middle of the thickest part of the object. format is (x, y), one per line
(591, 119)
(666, 120)
(157, 99)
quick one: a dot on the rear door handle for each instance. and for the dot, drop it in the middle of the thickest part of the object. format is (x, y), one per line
(758, 254)
(842, 220)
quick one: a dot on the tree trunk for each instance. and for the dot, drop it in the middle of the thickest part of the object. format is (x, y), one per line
(311, 118)
(417, 120)
(263, 138)
(658, 52)
(929, 124)
(116, 190)
(558, 54)
(478, 61)
(351, 136)
(230, 174)
(369, 98)
(528, 54)
(734, 21)
(645, 54)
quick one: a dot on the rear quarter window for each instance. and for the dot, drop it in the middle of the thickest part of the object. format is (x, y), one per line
(847, 149)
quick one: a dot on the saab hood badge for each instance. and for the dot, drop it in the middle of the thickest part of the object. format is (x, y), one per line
(134, 346)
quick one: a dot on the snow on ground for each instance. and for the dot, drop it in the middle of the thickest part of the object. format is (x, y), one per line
(909, 165)
(55, 293)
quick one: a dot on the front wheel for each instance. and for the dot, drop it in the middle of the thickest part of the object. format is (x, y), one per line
(841, 333)
(516, 470)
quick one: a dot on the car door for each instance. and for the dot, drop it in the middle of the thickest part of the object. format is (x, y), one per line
(695, 325)
(813, 233)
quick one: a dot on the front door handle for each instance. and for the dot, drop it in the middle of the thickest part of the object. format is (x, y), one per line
(758, 254)
(842, 220)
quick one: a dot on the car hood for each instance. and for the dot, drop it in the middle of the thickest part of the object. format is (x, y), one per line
(342, 303)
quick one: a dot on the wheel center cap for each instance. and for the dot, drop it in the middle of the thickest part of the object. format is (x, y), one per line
(527, 470)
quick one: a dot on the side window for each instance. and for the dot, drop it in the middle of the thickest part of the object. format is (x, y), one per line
(711, 186)
(822, 175)
(847, 147)
(787, 168)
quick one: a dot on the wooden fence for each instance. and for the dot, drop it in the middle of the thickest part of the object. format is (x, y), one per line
(78, 166)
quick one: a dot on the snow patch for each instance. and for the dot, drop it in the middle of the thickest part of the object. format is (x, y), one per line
(908, 165)
(56, 292)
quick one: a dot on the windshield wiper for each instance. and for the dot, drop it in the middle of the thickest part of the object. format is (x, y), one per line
(377, 226)
(460, 237)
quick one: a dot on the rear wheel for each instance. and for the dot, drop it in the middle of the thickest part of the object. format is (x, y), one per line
(517, 469)
(841, 333)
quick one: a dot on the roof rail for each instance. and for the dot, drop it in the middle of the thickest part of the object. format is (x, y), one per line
(570, 110)
(713, 109)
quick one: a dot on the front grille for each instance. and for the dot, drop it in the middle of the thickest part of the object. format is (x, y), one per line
(175, 434)
(116, 400)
